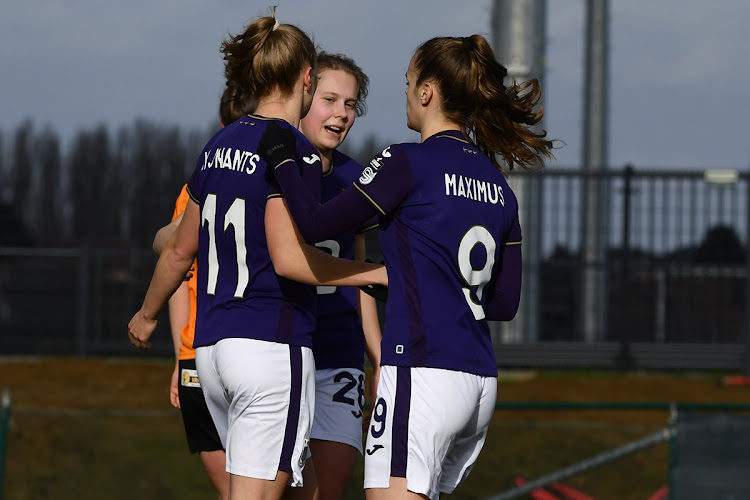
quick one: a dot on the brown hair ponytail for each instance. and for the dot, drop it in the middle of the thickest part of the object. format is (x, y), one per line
(235, 103)
(498, 119)
(267, 56)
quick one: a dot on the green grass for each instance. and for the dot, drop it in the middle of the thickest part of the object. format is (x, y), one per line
(69, 437)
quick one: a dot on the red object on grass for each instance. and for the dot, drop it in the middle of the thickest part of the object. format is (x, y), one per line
(570, 493)
(735, 380)
(660, 494)
(537, 494)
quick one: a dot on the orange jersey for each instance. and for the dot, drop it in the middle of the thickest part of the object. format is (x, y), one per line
(188, 331)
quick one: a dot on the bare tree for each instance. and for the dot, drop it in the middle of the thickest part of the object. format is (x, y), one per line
(21, 169)
(89, 157)
(48, 209)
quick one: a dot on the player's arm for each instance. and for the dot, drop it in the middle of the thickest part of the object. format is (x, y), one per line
(172, 266)
(368, 313)
(502, 304)
(179, 315)
(314, 221)
(162, 235)
(179, 303)
(293, 259)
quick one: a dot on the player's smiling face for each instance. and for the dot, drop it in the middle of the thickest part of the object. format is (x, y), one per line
(413, 106)
(332, 112)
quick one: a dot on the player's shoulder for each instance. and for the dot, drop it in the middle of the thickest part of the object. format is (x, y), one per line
(396, 151)
(344, 168)
(340, 160)
(245, 130)
(449, 139)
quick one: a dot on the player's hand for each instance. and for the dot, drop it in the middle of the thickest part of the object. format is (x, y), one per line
(374, 379)
(277, 145)
(190, 273)
(140, 329)
(174, 393)
(379, 292)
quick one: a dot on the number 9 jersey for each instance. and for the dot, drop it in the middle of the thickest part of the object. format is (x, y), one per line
(239, 294)
(447, 215)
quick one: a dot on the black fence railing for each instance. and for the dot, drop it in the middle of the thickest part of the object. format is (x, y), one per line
(672, 266)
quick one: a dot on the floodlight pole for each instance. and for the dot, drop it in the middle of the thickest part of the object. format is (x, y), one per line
(747, 281)
(4, 424)
(519, 30)
(595, 159)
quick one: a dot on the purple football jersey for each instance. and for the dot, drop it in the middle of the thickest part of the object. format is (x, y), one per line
(338, 341)
(446, 215)
(239, 293)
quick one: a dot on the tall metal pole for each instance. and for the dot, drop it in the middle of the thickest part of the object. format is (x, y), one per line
(747, 281)
(4, 424)
(519, 28)
(595, 158)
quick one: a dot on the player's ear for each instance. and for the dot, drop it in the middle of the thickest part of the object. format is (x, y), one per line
(309, 81)
(426, 93)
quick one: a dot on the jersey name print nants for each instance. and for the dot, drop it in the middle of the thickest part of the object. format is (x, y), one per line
(237, 160)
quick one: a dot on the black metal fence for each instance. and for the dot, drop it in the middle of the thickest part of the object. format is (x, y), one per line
(673, 256)
(672, 268)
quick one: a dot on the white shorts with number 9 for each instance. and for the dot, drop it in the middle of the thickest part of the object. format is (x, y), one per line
(339, 397)
(428, 425)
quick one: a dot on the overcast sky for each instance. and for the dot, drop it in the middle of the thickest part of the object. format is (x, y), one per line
(679, 69)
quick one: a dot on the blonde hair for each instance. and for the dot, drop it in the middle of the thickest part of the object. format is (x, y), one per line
(498, 119)
(267, 56)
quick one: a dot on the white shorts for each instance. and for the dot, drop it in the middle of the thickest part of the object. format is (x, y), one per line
(339, 398)
(261, 396)
(428, 426)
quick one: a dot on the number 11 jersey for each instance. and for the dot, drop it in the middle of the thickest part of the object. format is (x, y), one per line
(239, 293)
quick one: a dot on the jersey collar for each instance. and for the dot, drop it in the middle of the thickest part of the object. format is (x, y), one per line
(453, 134)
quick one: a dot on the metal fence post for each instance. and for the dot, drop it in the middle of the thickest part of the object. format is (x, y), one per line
(626, 357)
(4, 424)
(84, 311)
(747, 278)
(627, 175)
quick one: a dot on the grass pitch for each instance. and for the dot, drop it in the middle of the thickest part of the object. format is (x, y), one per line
(100, 428)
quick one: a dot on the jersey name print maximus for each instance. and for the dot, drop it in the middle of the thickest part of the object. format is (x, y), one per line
(235, 160)
(473, 189)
